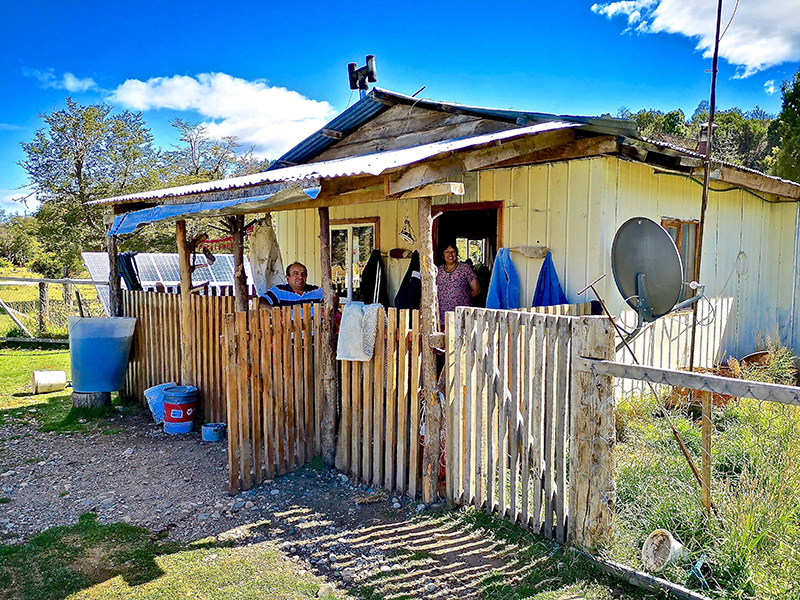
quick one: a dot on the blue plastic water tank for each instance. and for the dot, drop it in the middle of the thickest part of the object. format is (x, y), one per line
(98, 352)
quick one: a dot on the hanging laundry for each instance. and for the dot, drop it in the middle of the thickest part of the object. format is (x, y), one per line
(373, 281)
(504, 285)
(357, 332)
(126, 263)
(548, 289)
(265, 257)
(410, 293)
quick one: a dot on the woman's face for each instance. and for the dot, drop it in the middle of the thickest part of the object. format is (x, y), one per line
(450, 256)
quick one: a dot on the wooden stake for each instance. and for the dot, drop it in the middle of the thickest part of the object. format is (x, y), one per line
(187, 326)
(429, 313)
(706, 462)
(330, 399)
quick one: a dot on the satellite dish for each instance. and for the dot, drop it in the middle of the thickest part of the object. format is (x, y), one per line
(647, 268)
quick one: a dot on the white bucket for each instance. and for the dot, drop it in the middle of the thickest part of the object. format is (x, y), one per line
(43, 382)
(660, 549)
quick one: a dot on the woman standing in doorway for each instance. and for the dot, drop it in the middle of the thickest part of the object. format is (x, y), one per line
(456, 283)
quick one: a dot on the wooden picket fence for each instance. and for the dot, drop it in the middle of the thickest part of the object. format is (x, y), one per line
(379, 427)
(274, 391)
(507, 414)
(156, 349)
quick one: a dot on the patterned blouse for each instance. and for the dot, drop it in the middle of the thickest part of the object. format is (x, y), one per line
(453, 288)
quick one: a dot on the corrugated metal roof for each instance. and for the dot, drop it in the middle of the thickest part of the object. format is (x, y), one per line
(308, 176)
(379, 100)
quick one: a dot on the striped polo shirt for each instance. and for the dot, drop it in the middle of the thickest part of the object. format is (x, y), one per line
(284, 295)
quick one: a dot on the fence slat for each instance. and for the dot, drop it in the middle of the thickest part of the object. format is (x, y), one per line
(343, 446)
(391, 399)
(298, 397)
(379, 425)
(561, 435)
(402, 401)
(538, 423)
(366, 423)
(317, 326)
(414, 475)
(267, 393)
(243, 380)
(471, 343)
(512, 349)
(356, 404)
(549, 400)
(308, 387)
(231, 371)
(256, 421)
(480, 411)
(527, 370)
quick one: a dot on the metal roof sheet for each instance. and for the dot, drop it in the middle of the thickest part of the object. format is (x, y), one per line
(308, 176)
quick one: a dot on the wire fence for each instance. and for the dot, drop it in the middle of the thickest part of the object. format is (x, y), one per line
(39, 308)
(748, 544)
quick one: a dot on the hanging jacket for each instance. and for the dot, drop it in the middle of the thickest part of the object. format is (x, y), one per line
(504, 285)
(410, 293)
(373, 281)
(548, 289)
(126, 263)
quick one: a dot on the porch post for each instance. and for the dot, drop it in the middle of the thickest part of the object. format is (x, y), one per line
(329, 387)
(114, 285)
(187, 327)
(429, 314)
(239, 276)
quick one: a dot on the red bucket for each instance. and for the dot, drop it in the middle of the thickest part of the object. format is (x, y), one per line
(180, 403)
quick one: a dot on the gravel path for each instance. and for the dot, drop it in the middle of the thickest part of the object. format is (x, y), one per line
(131, 471)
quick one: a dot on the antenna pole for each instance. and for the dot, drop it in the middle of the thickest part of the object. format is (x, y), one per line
(706, 178)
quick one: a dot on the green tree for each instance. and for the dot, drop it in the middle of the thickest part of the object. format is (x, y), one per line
(200, 157)
(785, 158)
(81, 154)
(18, 243)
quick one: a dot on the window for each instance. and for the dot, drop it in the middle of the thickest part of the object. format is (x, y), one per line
(684, 234)
(352, 242)
(472, 248)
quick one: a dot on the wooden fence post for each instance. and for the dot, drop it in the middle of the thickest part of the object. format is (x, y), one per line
(187, 347)
(593, 436)
(429, 313)
(114, 285)
(329, 399)
(44, 307)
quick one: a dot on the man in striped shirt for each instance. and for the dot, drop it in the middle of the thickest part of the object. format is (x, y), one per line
(294, 291)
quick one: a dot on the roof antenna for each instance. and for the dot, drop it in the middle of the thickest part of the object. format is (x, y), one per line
(360, 76)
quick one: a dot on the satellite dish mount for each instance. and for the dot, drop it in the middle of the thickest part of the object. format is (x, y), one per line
(360, 76)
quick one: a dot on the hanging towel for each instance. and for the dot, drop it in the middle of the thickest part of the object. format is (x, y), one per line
(265, 257)
(504, 285)
(548, 289)
(410, 293)
(357, 332)
(373, 281)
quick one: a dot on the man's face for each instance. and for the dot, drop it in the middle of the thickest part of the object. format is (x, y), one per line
(297, 278)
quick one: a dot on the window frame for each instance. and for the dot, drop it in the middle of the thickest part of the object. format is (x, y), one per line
(689, 273)
(348, 225)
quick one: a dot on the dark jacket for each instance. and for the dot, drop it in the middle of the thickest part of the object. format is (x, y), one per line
(410, 293)
(373, 281)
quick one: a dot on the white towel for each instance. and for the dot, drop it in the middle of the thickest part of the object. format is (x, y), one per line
(357, 332)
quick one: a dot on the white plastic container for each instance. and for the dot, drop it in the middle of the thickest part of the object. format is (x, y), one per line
(44, 382)
(659, 550)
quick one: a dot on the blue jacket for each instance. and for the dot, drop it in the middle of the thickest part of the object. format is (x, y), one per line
(504, 286)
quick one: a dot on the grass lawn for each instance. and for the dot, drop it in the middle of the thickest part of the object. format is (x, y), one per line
(93, 561)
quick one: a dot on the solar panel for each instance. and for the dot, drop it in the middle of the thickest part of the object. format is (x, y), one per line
(163, 268)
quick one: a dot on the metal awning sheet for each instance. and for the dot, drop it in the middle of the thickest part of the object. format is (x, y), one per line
(130, 222)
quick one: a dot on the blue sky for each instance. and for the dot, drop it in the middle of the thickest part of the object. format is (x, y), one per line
(273, 72)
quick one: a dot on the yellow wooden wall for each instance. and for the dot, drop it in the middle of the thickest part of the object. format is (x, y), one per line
(575, 208)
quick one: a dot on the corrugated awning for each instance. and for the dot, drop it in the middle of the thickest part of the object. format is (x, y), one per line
(130, 222)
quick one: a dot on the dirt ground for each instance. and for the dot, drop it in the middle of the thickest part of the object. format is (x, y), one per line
(129, 470)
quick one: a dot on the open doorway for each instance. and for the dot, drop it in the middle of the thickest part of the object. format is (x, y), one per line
(477, 230)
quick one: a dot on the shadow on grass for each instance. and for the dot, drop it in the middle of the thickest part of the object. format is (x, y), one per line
(65, 560)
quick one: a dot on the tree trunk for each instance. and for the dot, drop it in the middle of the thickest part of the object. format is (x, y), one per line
(91, 399)
(239, 276)
(330, 397)
(429, 315)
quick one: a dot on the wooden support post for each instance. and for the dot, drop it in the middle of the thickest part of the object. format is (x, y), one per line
(593, 436)
(239, 276)
(44, 307)
(429, 313)
(329, 387)
(114, 285)
(706, 443)
(187, 325)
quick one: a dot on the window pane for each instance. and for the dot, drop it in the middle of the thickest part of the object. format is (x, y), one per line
(363, 244)
(339, 261)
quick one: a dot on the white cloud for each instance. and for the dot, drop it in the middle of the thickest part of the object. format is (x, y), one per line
(272, 119)
(67, 81)
(9, 127)
(769, 87)
(761, 35)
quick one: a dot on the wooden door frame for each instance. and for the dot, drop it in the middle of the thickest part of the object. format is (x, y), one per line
(491, 205)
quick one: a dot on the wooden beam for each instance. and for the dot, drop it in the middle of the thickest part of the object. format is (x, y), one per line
(474, 159)
(114, 284)
(449, 188)
(187, 323)
(753, 181)
(330, 400)
(581, 148)
(429, 316)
